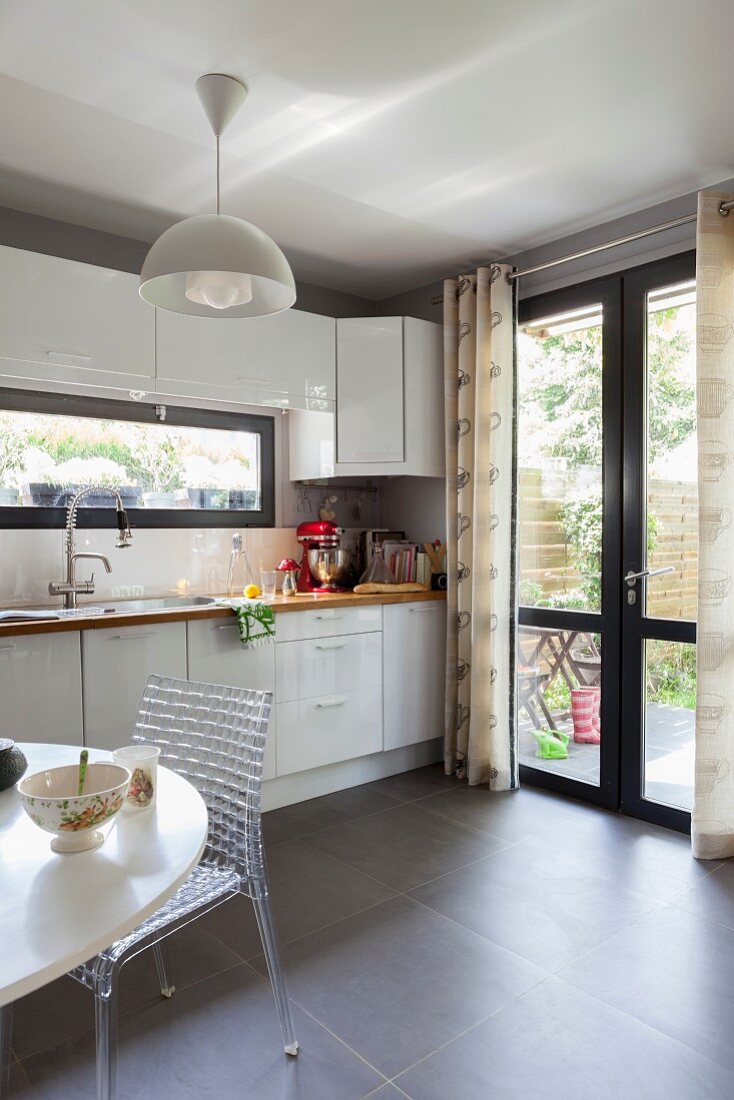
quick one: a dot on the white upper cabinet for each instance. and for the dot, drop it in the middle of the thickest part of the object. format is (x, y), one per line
(62, 321)
(369, 371)
(389, 407)
(286, 359)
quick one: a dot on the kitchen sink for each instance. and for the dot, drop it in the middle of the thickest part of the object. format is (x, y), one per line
(164, 603)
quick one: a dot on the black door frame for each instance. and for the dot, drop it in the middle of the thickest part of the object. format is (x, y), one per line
(622, 298)
(636, 628)
(607, 293)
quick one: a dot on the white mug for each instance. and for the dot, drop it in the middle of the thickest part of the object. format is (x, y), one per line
(142, 761)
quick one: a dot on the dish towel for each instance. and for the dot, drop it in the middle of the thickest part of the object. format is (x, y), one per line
(257, 622)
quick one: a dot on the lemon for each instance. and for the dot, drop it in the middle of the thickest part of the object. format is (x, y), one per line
(252, 591)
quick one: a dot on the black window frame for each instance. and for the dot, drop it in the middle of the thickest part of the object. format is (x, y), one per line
(16, 518)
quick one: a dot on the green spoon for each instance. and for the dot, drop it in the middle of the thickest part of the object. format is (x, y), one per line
(83, 758)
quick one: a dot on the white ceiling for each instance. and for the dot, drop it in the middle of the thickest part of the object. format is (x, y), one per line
(384, 142)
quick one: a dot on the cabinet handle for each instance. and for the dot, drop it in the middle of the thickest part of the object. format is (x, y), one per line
(419, 610)
(133, 637)
(11, 646)
(328, 618)
(331, 703)
(331, 645)
(68, 355)
(228, 626)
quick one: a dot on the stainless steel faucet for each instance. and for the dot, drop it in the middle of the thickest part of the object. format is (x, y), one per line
(70, 588)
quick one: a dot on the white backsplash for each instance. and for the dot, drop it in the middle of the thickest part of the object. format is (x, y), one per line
(185, 561)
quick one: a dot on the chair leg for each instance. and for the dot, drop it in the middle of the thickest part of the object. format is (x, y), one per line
(105, 1017)
(161, 962)
(277, 981)
(6, 1031)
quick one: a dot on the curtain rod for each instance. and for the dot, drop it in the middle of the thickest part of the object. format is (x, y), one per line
(724, 208)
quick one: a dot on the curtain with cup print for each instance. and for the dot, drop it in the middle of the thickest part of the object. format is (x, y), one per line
(713, 808)
(479, 350)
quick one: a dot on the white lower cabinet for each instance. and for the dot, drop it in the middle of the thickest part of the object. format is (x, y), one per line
(216, 656)
(315, 732)
(328, 687)
(41, 688)
(116, 664)
(414, 664)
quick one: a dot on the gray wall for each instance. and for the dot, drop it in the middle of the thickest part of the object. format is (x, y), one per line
(91, 246)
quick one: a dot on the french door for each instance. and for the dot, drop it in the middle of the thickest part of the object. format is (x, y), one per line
(607, 540)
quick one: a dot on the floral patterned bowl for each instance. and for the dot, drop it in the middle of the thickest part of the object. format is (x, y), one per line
(50, 800)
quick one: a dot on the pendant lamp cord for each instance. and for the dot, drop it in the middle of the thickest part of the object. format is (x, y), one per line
(217, 173)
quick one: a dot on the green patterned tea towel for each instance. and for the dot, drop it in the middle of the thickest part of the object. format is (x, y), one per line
(257, 622)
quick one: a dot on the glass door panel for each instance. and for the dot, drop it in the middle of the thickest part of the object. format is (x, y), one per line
(670, 721)
(672, 455)
(564, 375)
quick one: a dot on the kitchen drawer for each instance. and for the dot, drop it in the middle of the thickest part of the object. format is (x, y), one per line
(327, 666)
(216, 656)
(116, 664)
(315, 732)
(324, 622)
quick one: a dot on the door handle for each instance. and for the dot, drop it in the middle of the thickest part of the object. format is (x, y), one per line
(632, 578)
(331, 645)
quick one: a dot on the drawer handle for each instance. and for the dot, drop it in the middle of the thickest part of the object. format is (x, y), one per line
(331, 703)
(328, 618)
(419, 610)
(133, 637)
(68, 355)
(11, 646)
(229, 626)
(331, 645)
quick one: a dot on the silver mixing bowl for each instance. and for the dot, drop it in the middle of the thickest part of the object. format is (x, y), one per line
(329, 566)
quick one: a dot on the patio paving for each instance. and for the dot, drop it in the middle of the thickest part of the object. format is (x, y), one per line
(669, 755)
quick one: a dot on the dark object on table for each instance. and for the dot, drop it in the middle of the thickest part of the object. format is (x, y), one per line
(438, 582)
(12, 763)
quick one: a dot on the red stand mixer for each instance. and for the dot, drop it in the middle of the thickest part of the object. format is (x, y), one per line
(325, 564)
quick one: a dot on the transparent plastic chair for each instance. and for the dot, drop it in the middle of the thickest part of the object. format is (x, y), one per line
(215, 737)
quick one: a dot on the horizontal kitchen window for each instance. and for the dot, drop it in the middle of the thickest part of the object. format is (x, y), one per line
(173, 467)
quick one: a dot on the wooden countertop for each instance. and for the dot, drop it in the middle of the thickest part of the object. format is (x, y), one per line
(280, 604)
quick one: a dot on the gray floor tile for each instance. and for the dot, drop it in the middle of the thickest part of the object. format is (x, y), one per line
(65, 1008)
(388, 1092)
(556, 1043)
(408, 786)
(294, 822)
(398, 980)
(633, 854)
(309, 889)
(20, 1086)
(712, 896)
(221, 1039)
(525, 902)
(510, 815)
(405, 847)
(671, 970)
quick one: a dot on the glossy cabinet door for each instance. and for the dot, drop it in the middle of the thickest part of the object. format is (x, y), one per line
(41, 688)
(63, 321)
(327, 666)
(116, 664)
(369, 370)
(287, 359)
(315, 732)
(414, 672)
(216, 656)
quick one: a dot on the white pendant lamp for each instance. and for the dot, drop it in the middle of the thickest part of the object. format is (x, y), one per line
(214, 265)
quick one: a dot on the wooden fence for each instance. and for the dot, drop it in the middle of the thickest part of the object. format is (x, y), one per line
(548, 560)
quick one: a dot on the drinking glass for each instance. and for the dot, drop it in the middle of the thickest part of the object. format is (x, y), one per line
(268, 582)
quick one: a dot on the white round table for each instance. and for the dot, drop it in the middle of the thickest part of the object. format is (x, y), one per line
(59, 910)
